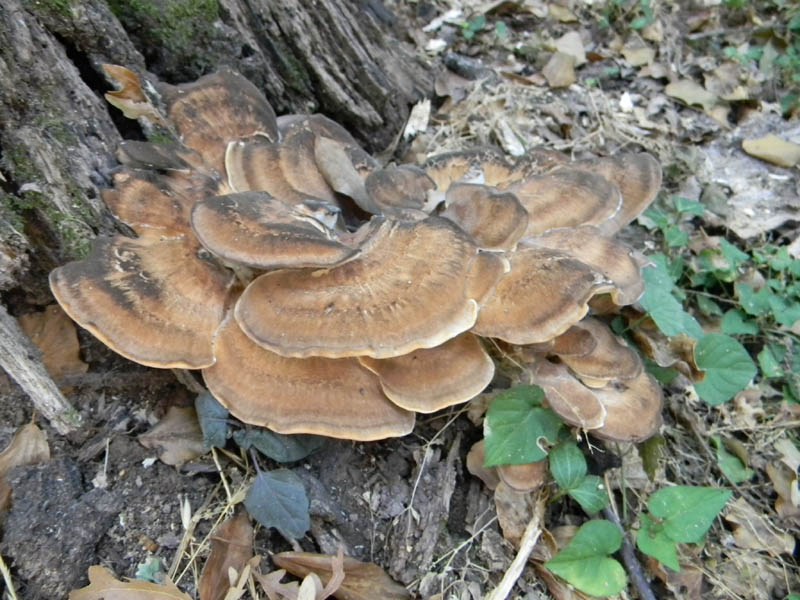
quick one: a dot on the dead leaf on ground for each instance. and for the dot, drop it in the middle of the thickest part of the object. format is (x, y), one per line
(362, 581)
(27, 447)
(752, 530)
(130, 98)
(571, 43)
(177, 437)
(54, 334)
(784, 481)
(560, 70)
(104, 586)
(231, 548)
(514, 512)
(692, 93)
(774, 150)
(562, 13)
(637, 52)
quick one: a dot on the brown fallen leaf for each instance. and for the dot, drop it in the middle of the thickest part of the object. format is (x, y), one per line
(177, 437)
(637, 52)
(572, 44)
(773, 149)
(691, 93)
(362, 581)
(104, 586)
(752, 530)
(231, 548)
(130, 98)
(560, 70)
(27, 447)
(54, 334)
(514, 512)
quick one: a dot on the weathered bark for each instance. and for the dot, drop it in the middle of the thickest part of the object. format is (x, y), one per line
(58, 135)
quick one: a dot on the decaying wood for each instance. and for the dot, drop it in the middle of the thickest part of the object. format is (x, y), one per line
(20, 359)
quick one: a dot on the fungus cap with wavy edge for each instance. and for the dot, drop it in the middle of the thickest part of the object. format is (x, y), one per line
(429, 379)
(400, 191)
(215, 110)
(610, 359)
(323, 396)
(573, 342)
(154, 299)
(610, 257)
(638, 177)
(495, 219)
(476, 457)
(633, 409)
(256, 230)
(544, 294)
(525, 477)
(568, 397)
(414, 285)
(566, 197)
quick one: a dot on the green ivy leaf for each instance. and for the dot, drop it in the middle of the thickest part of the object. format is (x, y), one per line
(567, 465)
(652, 540)
(728, 368)
(278, 499)
(687, 511)
(675, 236)
(708, 307)
(686, 206)
(662, 306)
(213, 418)
(515, 424)
(757, 303)
(277, 446)
(590, 494)
(769, 364)
(729, 463)
(732, 254)
(585, 562)
(735, 322)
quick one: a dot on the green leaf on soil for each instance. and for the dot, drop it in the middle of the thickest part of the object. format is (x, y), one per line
(567, 465)
(768, 363)
(590, 494)
(277, 446)
(686, 206)
(278, 499)
(735, 322)
(213, 419)
(652, 541)
(662, 306)
(687, 511)
(727, 365)
(585, 562)
(754, 303)
(730, 464)
(515, 426)
(709, 307)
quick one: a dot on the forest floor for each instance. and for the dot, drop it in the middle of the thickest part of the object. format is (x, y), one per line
(687, 82)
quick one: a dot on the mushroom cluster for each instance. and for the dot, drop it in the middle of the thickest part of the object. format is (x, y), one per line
(321, 293)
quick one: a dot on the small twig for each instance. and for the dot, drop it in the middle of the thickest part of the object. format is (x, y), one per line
(526, 546)
(632, 564)
(12, 593)
(19, 357)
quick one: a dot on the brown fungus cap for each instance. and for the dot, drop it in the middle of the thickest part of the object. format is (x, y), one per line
(398, 191)
(633, 409)
(486, 166)
(638, 177)
(285, 170)
(163, 157)
(568, 397)
(544, 294)
(215, 110)
(611, 258)
(476, 457)
(338, 170)
(332, 397)
(154, 299)
(573, 342)
(149, 200)
(430, 379)
(410, 287)
(523, 478)
(495, 219)
(259, 231)
(566, 197)
(610, 359)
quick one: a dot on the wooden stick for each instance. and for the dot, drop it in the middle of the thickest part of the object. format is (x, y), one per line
(20, 358)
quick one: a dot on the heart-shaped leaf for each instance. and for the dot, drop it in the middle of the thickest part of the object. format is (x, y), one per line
(278, 446)
(213, 419)
(652, 540)
(728, 368)
(590, 494)
(687, 511)
(278, 499)
(515, 426)
(568, 465)
(585, 562)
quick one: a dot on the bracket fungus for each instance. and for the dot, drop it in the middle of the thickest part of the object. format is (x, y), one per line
(321, 292)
